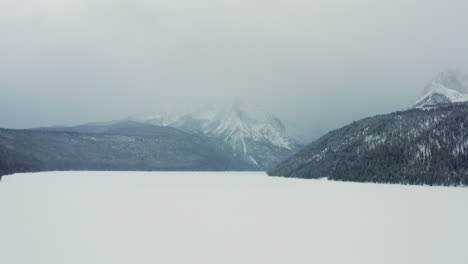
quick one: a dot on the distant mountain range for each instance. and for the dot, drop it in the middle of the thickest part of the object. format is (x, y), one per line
(254, 134)
(426, 144)
(227, 138)
(123, 145)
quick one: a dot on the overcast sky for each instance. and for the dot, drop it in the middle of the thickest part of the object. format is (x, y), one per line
(316, 64)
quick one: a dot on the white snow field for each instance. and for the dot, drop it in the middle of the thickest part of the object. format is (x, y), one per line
(199, 217)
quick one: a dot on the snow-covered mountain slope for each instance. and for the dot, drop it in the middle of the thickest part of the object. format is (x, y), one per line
(256, 135)
(447, 87)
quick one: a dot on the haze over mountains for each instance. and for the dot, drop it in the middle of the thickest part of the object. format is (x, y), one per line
(425, 144)
(257, 136)
(231, 137)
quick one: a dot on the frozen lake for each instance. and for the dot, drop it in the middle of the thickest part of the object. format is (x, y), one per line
(199, 217)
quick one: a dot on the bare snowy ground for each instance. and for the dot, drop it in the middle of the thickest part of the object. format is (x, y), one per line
(194, 217)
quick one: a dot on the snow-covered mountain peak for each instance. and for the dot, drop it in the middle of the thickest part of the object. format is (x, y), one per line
(450, 86)
(237, 124)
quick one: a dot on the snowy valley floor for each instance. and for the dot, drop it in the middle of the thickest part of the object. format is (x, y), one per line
(199, 217)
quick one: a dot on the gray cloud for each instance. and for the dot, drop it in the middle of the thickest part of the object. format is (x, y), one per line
(314, 63)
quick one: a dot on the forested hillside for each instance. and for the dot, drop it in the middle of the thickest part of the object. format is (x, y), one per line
(419, 146)
(118, 146)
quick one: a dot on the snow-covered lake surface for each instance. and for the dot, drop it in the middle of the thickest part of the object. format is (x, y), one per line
(199, 217)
